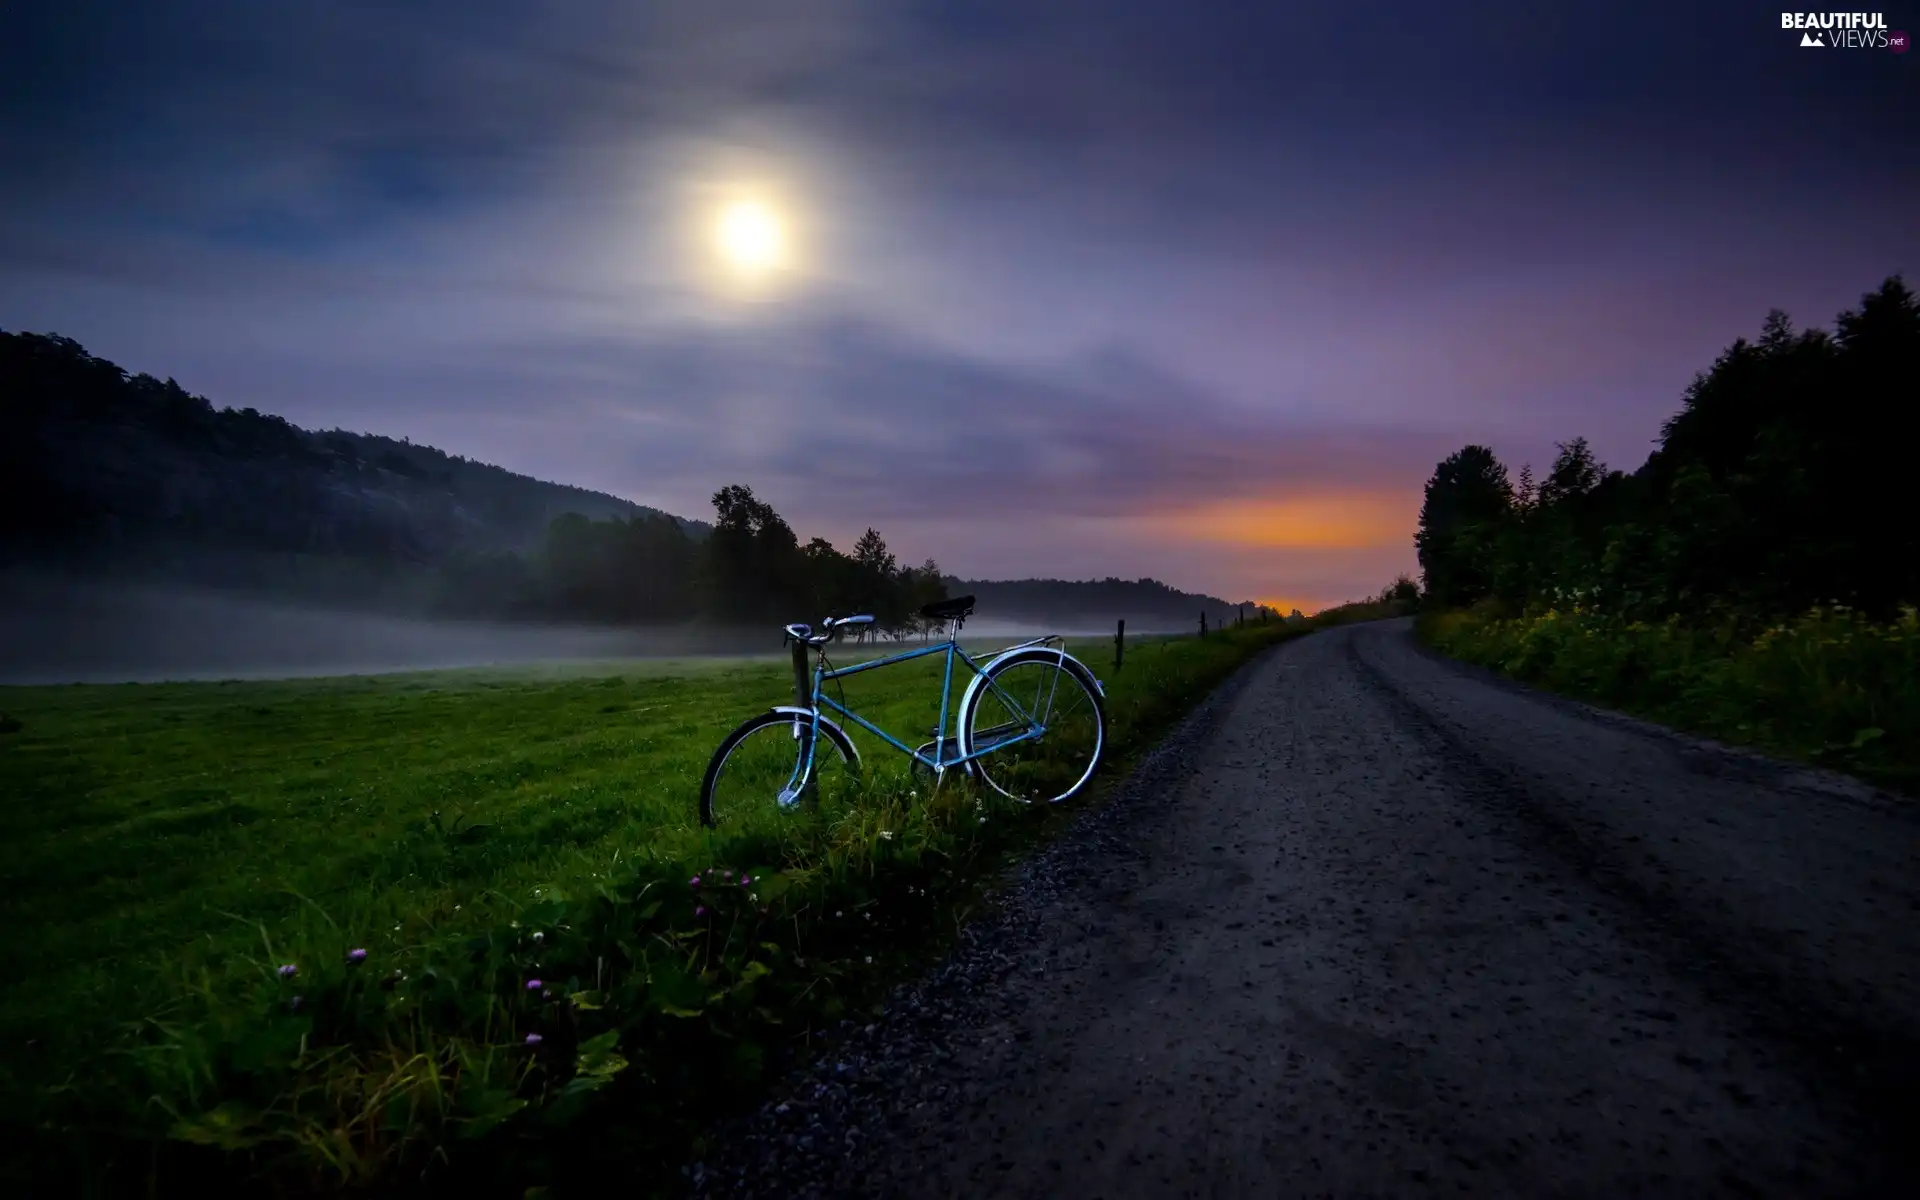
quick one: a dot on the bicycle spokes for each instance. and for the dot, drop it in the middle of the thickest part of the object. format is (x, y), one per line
(1038, 728)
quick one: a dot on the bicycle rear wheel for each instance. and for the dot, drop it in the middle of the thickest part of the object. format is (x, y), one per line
(1040, 720)
(757, 773)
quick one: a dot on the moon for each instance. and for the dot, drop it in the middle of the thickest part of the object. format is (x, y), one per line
(751, 237)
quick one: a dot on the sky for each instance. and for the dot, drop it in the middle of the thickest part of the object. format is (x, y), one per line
(1200, 292)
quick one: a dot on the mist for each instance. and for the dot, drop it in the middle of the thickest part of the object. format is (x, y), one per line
(59, 631)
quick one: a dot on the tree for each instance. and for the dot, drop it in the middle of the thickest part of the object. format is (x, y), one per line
(1769, 490)
(753, 568)
(1467, 500)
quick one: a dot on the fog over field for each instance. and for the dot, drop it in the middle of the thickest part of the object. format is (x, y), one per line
(64, 632)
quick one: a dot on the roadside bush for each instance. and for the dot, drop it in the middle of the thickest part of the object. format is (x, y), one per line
(1829, 686)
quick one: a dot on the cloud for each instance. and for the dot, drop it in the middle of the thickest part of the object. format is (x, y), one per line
(1103, 288)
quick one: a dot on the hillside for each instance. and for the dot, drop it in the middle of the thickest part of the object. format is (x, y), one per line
(1145, 604)
(124, 476)
(106, 470)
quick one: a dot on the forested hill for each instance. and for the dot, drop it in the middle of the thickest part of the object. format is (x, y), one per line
(133, 478)
(105, 468)
(1776, 487)
(1146, 604)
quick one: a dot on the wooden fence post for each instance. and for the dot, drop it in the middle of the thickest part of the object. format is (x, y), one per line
(1203, 622)
(1120, 644)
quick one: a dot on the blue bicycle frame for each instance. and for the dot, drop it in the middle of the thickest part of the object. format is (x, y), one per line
(939, 762)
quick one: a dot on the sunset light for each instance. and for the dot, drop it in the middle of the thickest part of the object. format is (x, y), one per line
(1331, 521)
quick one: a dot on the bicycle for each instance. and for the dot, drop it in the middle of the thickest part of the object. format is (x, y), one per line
(1044, 751)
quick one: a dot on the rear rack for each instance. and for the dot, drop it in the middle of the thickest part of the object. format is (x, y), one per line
(1051, 639)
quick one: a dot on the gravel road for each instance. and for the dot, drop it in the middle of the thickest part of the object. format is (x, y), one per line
(1373, 923)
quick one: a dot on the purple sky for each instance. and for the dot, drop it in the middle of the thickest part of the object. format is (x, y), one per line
(1194, 291)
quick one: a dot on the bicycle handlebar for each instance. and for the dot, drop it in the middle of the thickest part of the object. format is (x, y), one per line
(799, 631)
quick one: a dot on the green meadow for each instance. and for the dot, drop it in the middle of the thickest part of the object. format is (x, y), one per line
(167, 850)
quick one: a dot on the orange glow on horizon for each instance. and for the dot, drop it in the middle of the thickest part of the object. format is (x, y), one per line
(1329, 521)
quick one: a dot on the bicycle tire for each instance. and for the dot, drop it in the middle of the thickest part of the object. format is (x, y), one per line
(833, 736)
(1067, 665)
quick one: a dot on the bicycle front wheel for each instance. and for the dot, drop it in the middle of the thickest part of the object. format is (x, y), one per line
(760, 770)
(1039, 725)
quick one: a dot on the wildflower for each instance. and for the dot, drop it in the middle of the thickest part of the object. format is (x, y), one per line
(887, 834)
(533, 985)
(694, 882)
(538, 936)
(287, 970)
(356, 956)
(983, 820)
(700, 911)
(841, 913)
(869, 958)
(744, 879)
(534, 1039)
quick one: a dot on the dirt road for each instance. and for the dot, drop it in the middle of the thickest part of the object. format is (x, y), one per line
(1393, 927)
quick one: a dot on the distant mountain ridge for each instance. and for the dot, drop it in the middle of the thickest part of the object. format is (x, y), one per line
(1145, 604)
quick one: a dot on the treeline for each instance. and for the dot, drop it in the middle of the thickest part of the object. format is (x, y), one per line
(1778, 486)
(751, 568)
(1146, 604)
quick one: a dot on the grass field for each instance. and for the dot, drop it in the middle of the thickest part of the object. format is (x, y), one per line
(166, 848)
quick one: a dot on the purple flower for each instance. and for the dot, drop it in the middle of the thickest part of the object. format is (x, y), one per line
(287, 970)
(534, 985)
(745, 879)
(356, 956)
(700, 911)
(534, 1039)
(694, 882)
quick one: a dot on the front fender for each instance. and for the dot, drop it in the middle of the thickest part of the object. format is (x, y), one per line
(827, 726)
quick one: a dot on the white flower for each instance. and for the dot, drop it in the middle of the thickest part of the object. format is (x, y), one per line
(538, 936)
(869, 958)
(887, 834)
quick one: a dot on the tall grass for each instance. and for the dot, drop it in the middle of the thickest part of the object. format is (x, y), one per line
(1828, 687)
(335, 935)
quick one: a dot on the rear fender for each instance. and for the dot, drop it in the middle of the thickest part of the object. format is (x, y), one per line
(1067, 662)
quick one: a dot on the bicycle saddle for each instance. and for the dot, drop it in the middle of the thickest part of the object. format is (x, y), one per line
(948, 610)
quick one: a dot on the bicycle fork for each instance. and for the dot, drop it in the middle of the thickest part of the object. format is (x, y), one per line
(802, 789)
